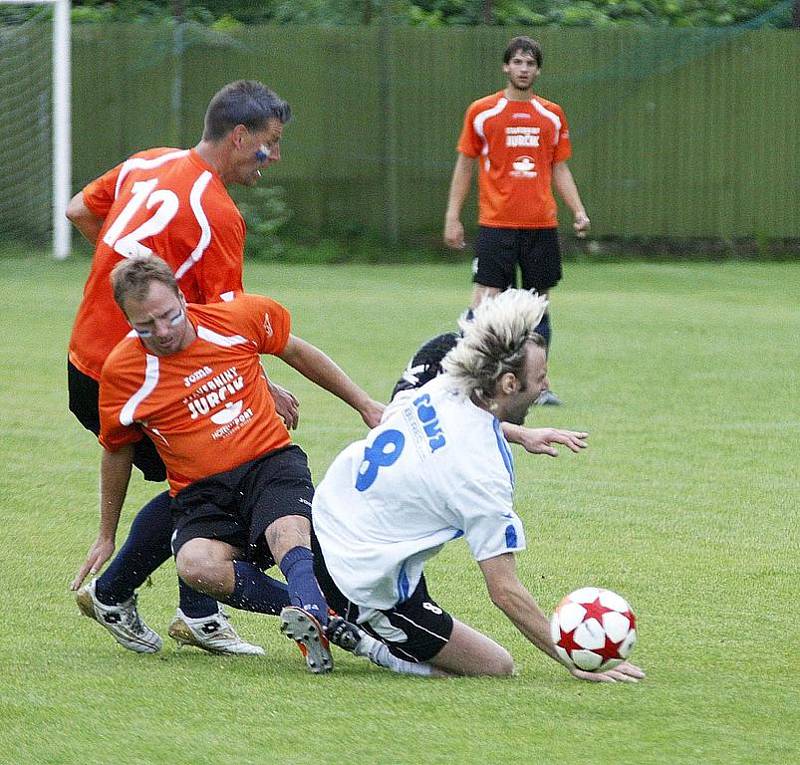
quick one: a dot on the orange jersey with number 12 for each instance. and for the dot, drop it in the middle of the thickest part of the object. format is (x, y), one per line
(163, 201)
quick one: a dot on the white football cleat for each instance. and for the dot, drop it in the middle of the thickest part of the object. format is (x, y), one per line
(122, 620)
(214, 634)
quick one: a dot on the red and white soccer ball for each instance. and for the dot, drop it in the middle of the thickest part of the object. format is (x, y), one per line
(593, 629)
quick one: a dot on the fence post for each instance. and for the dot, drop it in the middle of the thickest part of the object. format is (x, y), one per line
(387, 124)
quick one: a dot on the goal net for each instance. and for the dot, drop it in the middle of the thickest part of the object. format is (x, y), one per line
(34, 135)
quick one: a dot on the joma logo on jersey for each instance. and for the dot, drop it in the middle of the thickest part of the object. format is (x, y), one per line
(430, 422)
(198, 374)
(522, 135)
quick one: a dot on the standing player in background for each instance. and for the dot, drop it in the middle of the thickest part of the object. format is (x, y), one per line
(190, 377)
(521, 142)
(173, 202)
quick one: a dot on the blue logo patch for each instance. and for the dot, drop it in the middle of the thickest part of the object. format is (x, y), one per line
(511, 536)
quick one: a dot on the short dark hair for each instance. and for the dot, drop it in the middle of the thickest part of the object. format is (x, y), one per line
(131, 277)
(244, 102)
(525, 45)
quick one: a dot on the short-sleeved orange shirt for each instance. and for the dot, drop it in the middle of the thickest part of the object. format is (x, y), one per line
(516, 143)
(171, 203)
(206, 408)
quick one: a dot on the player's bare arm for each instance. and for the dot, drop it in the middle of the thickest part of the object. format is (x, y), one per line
(318, 367)
(459, 189)
(83, 218)
(286, 404)
(568, 191)
(542, 440)
(115, 473)
(514, 600)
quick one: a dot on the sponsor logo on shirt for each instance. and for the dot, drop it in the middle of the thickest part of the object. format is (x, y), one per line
(267, 325)
(520, 116)
(524, 167)
(522, 135)
(214, 393)
(219, 398)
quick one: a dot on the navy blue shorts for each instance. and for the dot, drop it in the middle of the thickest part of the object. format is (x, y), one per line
(499, 252)
(238, 505)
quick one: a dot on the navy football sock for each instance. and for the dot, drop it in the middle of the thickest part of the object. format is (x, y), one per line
(255, 591)
(544, 329)
(298, 568)
(145, 549)
(195, 604)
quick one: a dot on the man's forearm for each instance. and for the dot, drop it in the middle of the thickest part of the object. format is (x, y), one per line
(524, 612)
(115, 473)
(318, 367)
(459, 187)
(567, 188)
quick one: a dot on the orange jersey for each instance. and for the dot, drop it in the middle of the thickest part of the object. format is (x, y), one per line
(517, 143)
(206, 408)
(166, 201)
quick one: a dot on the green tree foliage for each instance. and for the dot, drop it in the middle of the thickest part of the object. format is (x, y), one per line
(230, 14)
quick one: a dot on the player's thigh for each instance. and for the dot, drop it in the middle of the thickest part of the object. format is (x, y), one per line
(469, 652)
(200, 554)
(495, 262)
(277, 503)
(540, 259)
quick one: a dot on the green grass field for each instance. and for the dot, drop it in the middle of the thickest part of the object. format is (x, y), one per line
(686, 503)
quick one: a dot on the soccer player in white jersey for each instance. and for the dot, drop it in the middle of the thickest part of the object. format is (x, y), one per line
(436, 469)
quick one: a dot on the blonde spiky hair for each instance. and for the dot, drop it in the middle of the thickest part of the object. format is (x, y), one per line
(493, 343)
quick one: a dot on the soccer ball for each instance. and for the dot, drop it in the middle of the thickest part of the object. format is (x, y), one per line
(593, 629)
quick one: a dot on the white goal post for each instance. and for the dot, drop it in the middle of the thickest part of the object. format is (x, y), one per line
(61, 121)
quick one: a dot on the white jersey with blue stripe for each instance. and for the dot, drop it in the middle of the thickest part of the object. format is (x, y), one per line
(437, 468)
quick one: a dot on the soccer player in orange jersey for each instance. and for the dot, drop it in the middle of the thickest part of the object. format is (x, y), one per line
(520, 142)
(190, 378)
(174, 202)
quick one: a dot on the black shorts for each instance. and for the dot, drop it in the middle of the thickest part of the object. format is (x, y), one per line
(499, 251)
(238, 505)
(426, 362)
(84, 394)
(414, 630)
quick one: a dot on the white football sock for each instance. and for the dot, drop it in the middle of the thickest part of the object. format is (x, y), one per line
(379, 654)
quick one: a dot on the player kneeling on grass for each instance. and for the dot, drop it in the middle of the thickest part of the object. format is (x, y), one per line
(190, 377)
(436, 469)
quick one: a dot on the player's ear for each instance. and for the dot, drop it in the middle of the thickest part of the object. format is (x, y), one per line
(239, 135)
(509, 383)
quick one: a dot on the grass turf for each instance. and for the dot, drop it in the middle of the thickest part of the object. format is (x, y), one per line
(686, 503)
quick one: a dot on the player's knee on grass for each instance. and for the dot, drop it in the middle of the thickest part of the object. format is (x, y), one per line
(499, 664)
(469, 652)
